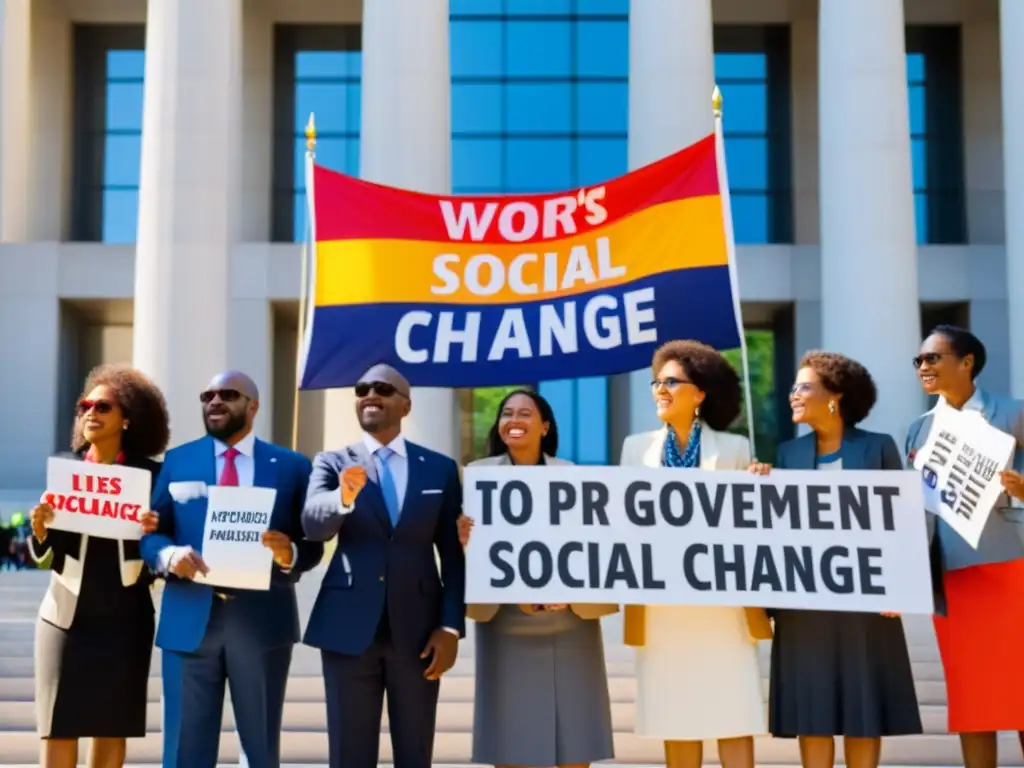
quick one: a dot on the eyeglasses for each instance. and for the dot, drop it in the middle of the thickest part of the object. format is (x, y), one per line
(226, 395)
(929, 357)
(670, 383)
(101, 407)
(382, 388)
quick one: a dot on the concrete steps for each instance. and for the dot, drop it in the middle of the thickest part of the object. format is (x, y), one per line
(304, 740)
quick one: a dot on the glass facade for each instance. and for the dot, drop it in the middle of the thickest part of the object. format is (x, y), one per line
(935, 98)
(539, 103)
(110, 67)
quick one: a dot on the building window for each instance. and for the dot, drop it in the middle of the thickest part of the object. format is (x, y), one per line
(108, 92)
(935, 97)
(317, 69)
(539, 104)
(752, 70)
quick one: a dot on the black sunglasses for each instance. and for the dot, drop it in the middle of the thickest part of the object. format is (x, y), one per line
(382, 388)
(226, 395)
(930, 357)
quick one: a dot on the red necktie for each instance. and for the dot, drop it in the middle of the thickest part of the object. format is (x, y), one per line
(229, 475)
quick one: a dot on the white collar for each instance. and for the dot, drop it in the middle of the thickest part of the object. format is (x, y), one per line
(373, 444)
(245, 446)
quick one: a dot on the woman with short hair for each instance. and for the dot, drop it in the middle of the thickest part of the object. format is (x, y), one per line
(838, 673)
(979, 636)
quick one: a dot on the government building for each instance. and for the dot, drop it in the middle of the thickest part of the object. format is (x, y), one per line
(152, 193)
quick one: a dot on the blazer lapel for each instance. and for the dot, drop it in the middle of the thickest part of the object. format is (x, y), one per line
(804, 453)
(264, 466)
(709, 448)
(652, 456)
(414, 486)
(206, 461)
(853, 450)
(358, 454)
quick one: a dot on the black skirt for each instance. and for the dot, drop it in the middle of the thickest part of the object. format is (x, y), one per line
(841, 674)
(92, 678)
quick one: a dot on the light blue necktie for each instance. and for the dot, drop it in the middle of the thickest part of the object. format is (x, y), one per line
(387, 484)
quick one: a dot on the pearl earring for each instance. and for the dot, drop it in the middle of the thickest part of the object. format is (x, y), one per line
(832, 407)
(696, 412)
(124, 426)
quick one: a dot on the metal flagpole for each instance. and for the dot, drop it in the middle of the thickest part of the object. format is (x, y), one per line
(730, 247)
(307, 253)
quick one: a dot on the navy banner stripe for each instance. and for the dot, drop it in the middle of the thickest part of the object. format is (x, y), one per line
(686, 304)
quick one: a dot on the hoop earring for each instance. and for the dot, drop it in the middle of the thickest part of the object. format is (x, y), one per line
(832, 407)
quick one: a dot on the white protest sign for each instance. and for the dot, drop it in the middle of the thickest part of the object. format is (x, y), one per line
(960, 464)
(839, 541)
(232, 549)
(102, 500)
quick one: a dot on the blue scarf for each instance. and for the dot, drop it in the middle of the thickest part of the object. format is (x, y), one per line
(688, 458)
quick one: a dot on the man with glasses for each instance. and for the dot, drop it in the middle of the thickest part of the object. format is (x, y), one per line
(215, 638)
(384, 621)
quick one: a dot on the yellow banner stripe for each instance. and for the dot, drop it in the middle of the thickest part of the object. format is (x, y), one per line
(681, 234)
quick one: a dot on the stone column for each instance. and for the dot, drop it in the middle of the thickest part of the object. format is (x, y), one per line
(405, 142)
(671, 78)
(188, 199)
(1011, 27)
(869, 293)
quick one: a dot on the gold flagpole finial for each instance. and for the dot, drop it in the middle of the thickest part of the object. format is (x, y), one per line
(311, 134)
(716, 101)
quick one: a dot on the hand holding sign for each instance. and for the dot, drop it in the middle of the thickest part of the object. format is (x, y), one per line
(1013, 484)
(352, 481)
(150, 521)
(41, 517)
(281, 545)
(186, 562)
(465, 527)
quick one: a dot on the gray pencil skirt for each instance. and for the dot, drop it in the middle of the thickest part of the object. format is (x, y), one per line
(541, 690)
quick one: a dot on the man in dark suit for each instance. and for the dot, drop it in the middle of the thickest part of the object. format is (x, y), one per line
(214, 637)
(384, 621)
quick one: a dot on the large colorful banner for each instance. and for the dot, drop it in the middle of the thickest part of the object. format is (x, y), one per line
(481, 291)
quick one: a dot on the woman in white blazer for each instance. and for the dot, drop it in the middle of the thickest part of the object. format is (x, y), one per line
(541, 685)
(697, 672)
(94, 635)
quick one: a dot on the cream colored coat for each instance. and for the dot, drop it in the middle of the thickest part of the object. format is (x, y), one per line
(718, 450)
(482, 612)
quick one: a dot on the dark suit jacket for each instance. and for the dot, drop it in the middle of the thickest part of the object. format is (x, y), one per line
(69, 552)
(272, 617)
(861, 450)
(377, 566)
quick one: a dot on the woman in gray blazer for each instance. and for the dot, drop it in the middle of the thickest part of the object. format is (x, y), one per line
(541, 685)
(983, 587)
(837, 673)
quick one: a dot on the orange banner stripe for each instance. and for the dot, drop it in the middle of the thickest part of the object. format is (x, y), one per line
(681, 234)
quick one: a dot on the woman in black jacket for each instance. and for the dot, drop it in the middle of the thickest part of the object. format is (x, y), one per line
(94, 635)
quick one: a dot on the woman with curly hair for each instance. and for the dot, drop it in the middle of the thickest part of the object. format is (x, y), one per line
(836, 673)
(697, 671)
(94, 636)
(983, 587)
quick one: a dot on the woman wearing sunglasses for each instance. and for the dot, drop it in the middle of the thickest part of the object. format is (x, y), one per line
(979, 635)
(94, 635)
